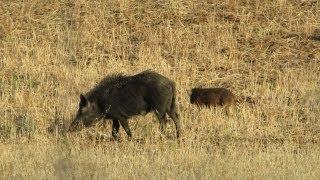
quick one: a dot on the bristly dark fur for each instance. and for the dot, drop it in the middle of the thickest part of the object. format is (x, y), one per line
(107, 83)
(216, 97)
(119, 97)
(212, 97)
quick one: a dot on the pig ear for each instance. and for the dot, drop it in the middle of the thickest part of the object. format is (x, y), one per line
(83, 101)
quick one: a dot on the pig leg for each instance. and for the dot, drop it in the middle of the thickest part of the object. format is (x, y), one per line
(124, 123)
(115, 128)
(162, 120)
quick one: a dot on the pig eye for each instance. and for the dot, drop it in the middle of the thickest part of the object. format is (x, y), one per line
(93, 106)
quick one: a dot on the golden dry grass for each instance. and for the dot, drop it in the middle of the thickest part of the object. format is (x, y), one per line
(51, 51)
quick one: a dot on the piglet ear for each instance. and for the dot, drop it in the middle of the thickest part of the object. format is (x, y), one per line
(83, 101)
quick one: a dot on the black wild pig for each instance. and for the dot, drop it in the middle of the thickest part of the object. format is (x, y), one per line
(119, 97)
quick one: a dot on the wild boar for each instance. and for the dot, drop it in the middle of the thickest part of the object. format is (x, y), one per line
(119, 97)
(212, 97)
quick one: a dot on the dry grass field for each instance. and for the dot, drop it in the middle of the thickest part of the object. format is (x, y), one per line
(53, 50)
